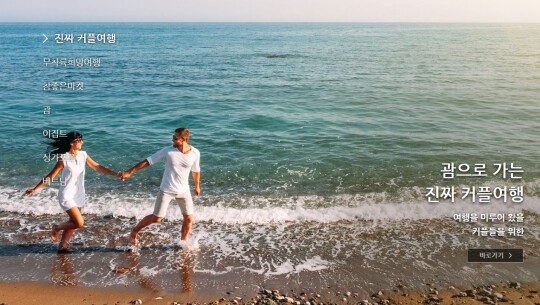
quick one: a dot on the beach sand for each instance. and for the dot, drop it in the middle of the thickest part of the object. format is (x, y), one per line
(42, 293)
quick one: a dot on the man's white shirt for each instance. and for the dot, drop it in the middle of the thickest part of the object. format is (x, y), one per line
(177, 168)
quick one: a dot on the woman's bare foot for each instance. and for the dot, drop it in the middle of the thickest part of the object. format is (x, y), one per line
(54, 233)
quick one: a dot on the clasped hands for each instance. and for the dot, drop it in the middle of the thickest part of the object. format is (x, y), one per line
(123, 175)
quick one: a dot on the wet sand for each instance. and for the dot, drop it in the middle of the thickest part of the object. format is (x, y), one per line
(111, 276)
(233, 263)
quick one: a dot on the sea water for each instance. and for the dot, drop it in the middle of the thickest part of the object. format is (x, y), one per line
(318, 142)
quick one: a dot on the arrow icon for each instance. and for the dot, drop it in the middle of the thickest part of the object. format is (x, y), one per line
(509, 255)
(46, 38)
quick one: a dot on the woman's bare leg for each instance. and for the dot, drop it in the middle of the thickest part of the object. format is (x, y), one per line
(75, 222)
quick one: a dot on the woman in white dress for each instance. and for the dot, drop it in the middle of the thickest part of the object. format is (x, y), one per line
(71, 195)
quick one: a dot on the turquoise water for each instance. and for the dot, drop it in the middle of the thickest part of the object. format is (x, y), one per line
(299, 109)
(317, 142)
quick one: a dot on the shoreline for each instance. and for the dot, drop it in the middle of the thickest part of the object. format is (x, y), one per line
(349, 262)
(48, 294)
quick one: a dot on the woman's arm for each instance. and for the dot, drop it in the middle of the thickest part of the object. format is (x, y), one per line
(100, 168)
(57, 168)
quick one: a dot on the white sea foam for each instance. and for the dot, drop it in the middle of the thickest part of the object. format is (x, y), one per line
(147, 271)
(214, 272)
(312, 264)
(260, 210)
(270, 268)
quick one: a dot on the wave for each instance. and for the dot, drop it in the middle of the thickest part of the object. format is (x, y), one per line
(245, 209)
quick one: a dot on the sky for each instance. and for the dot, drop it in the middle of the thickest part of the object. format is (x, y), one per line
(270, 11)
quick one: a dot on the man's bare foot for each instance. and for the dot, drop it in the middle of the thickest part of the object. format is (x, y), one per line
(191, 245)
(54, 233)
(132, 240)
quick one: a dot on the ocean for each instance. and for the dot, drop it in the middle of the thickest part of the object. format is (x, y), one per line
(319, 145)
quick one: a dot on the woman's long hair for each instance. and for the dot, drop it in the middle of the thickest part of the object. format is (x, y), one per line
(62, 144)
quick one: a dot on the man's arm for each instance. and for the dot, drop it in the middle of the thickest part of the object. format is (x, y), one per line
(196, 180)
(144, 163)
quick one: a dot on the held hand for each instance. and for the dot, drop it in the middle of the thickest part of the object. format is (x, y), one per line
(197, 190)
(29, 191)
(124, 176)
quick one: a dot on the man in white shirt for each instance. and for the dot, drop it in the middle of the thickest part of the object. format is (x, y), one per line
(180, 159)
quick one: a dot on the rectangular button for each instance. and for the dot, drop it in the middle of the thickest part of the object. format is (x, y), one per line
(495, 255)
